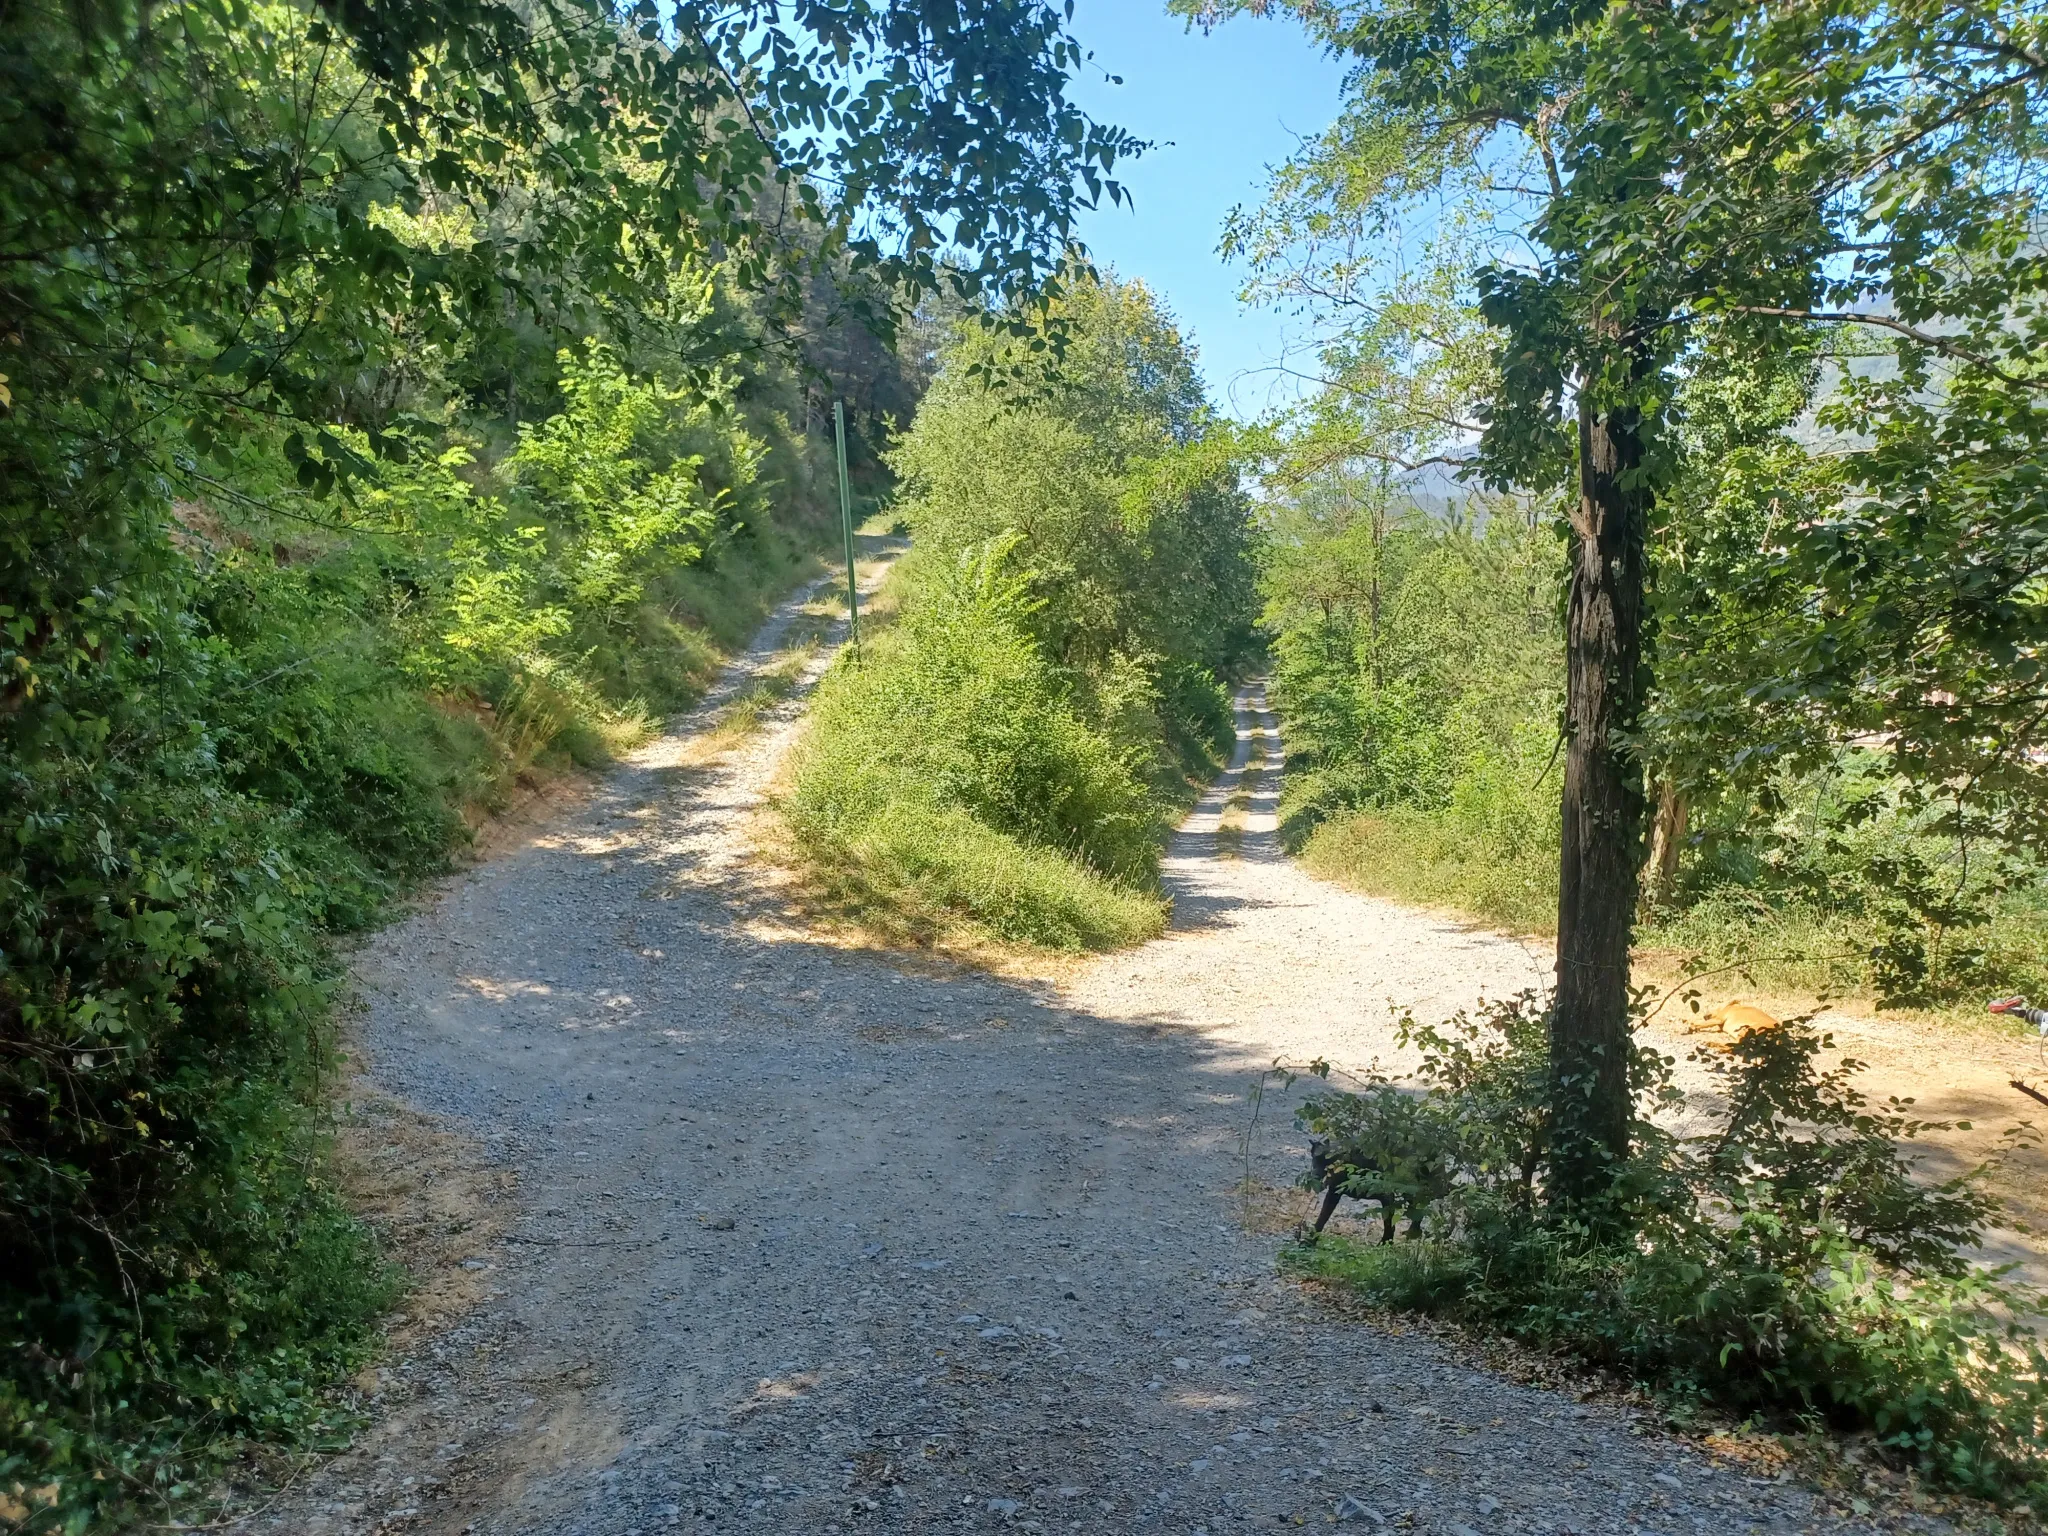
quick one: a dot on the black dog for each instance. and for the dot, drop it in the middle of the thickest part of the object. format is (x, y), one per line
(1383, 1145)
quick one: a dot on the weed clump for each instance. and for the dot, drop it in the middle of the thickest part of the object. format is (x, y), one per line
(1783, 1260)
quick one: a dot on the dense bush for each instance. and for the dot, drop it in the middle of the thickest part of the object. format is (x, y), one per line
(1114, 482)
(174, 1268)
(264, 724)
(1008, 757)
(953, 759)
(1781, 1258)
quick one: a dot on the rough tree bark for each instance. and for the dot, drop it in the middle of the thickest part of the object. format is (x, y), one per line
(1603, 810)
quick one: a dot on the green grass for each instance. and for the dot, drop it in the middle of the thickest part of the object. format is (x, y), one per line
(1791, 950)
(1922, 1365)
(945, 791)
(929, 875)
(1429, 860)
(1412, 1276)
(623, 690)
(691, 621)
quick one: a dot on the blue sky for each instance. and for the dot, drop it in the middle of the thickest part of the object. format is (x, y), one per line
(1221, 108)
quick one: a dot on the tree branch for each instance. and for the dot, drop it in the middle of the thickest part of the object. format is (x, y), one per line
(1940, 344)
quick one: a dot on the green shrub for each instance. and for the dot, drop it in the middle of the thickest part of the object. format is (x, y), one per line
(950, 761)
(312, 716)
(1783, 1260)
(173, 1269)
(1199, 717)
(1130, 525)
(1420, 713)
(1490, 850)
(1846, 881)
(1415, 659)
(1384, 1145)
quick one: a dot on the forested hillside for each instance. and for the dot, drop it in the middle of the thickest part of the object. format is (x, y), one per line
(1007, 759)
(398, 401)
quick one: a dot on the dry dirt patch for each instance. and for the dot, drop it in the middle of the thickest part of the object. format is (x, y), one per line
(439, 1201)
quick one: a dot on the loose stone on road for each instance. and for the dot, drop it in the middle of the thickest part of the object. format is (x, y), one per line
(1268, 958)
(811, 1239)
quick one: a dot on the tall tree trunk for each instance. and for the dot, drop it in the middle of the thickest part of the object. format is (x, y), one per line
(1603, 810)
(1667, 839)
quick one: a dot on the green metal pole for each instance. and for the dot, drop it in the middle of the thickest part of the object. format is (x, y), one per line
(846, 522)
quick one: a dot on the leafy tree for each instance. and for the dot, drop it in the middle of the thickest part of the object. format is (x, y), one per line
(1717, 163)
(1114, 477)
(1585, 336)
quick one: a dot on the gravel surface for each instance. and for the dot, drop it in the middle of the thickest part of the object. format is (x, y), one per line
(817, 1240)
(1268, 958)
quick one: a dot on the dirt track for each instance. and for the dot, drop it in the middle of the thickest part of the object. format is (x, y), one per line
(808, 1239)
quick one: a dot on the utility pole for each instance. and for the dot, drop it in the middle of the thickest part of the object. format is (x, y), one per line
(846, 523)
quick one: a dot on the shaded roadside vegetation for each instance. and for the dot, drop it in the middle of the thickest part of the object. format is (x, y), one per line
(1004, 761)
(395, 401)
(1779, 1261)
(320, 698)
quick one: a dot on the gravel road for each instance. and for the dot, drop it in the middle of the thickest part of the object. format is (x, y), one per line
(810, 1239)
(1266, 958)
